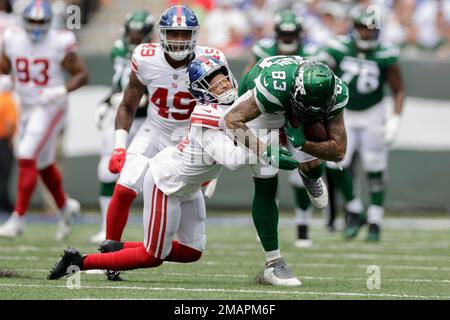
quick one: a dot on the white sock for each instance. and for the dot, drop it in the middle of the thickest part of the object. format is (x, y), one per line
(104, 204)
(272, 255)
(375, 214)
(355, 206)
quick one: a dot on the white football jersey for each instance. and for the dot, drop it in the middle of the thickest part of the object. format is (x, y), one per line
(199, 157)
(170, 103)
(36, 66)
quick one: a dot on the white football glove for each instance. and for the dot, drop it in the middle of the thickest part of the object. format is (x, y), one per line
(50, 95)
(391, 129)
(6, 83)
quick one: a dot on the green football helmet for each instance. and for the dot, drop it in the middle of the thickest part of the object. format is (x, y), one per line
(366, 28)
(139, 26)
(314, 92)
(288, 29)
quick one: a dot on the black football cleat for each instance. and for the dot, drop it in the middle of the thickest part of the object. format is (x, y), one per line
(71, 257)
(111, 246)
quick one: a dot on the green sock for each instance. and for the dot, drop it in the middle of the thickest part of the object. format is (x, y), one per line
(265, 212)
(315, 173)
(301, 198)
(377, 186)
(107, 189)
(343, 180)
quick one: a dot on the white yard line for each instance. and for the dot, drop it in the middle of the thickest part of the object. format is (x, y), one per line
(245, 263)
(240, 276)
(275, 292)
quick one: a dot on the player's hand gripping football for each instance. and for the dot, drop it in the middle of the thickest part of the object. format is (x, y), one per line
(295, 135)
(117, 160)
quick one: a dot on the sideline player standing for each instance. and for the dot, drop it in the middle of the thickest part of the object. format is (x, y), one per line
(366, 65)
(302, 91)
(37, 56)
(160, 69)
(173, 201)
(138, 28)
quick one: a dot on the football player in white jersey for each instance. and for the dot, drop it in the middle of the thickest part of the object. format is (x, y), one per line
(161, 69)
(37, 57)
(138, 28)
(173, 201)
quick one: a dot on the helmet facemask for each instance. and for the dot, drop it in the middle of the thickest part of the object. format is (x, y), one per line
(363, 42)
(207, 85)
(36, 28)
(178, 49)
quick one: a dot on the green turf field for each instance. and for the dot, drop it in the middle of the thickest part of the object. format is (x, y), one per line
(414, 259)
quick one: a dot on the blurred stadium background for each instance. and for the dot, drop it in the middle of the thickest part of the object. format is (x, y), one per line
(418, 169)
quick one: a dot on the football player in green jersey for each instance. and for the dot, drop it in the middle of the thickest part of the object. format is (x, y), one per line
(366, 64)
(291, 91)
(138, 28)
(287, 41)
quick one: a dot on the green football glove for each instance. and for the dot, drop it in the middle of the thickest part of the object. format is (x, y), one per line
(280, 157)
(295, 135)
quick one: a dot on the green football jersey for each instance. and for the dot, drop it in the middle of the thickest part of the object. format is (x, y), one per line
(364, 73)
(273, 79)
(268, 47)
(121, 58)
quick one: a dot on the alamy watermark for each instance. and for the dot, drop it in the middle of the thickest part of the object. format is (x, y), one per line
(73, 17)
(374, 280)
(74, 277)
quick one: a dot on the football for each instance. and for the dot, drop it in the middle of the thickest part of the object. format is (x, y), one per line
(316, 132)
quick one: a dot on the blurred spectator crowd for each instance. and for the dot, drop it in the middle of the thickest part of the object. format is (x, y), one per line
(87, 7)
(234, 25)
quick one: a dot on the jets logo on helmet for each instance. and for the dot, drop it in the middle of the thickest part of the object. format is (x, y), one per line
(182, 19)
(37, 18)
(202, 71)
(314, 92)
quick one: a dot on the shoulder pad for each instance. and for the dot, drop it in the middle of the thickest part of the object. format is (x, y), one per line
(209, 51)
(207, 116)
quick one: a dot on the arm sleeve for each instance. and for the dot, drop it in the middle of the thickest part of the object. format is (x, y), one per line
(223, 150)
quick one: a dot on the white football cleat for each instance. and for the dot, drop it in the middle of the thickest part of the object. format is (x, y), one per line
(98, 237)
(303, 243)
(278, 274)
(317, 192)
(68, 215)
(13, 227)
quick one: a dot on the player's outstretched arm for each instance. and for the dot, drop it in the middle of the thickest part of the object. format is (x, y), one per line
(75, 66)
(131, 98)
(335, 147)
